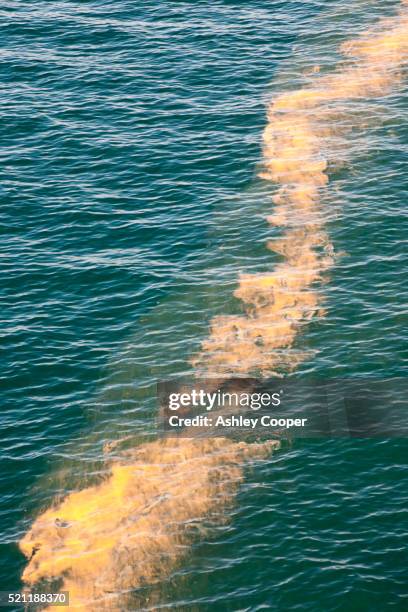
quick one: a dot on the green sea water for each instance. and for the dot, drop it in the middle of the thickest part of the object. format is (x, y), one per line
(130, 144)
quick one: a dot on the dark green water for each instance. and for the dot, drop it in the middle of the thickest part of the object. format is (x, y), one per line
(130, 137)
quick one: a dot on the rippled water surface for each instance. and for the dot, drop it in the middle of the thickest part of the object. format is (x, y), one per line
(131, 201)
